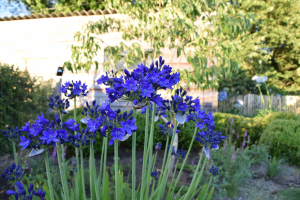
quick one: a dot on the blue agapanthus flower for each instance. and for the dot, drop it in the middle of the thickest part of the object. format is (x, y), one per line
(46, 133)
(173, 150)
(209, 137)
(13, 174)
(222, 96)
(119, 126)
(214, 171)
(181, 105)
(154, 175)
(22, 194)
(167, 129)
(158, 146)
(72, 90)
(83, 138)
(58, 104)
(12, 134)
(90, 111)
(141, 84)
(180, 153)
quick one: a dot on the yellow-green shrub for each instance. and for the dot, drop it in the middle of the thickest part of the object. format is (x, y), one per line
(283, 137)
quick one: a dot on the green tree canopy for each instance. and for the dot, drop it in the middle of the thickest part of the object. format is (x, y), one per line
(173, 26)
(271, 47)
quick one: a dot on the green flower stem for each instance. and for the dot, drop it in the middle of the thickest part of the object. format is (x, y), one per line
(82, 172)
(196, 171)
(15, 153)
(92, 192)
(101, 162)
(165, 176)
(64, 161)
(133, 159)
(262, 98)
(153, 165)
(104, 164)
(62, 174)
(145, 158)
(186, 156)
(150, 150)
(77, 174)
(163, 164)
(48, 175)
(153, 186)
(199, 177)
(207, 188)
(270, 102)
(94, 170)
(116, 170)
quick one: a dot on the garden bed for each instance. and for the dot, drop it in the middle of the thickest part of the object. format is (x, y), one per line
(259, 186)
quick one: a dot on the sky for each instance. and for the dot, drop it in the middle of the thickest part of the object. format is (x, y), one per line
(7, 11)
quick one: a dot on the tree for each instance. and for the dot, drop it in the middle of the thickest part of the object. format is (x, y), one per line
(170, 25)
(49, 6)
(271, 46)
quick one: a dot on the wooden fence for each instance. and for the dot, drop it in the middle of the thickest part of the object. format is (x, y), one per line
(252, 102)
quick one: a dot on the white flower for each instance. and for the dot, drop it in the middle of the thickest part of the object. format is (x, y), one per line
(254, 78)
(260, 79)
(239, 101)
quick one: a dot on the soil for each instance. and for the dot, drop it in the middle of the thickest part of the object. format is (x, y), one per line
(259, 186)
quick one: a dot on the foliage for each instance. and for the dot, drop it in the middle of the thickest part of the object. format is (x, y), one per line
(291, 194)
(238, 82)
(173, 27)
(273, 166)
(235, 163)
(271, 46)
(64, 6)
(22, 97)
(283, 138)
(254, 126)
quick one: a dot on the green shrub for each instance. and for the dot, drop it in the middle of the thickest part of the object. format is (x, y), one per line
(22, 98)
(254, 126)
(283, 137)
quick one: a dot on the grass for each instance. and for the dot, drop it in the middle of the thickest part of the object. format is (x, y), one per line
(234, 184)
(290, 194)
(274, 166)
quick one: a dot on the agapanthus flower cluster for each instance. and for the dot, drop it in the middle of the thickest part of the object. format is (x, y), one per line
(201, 118)
(91, 111)
(154, 175)
(159, 111)
(141, 84)
(158, 146)
(119, 126)
(58, 104)
(29, 195)
(209, 137)
(12, 134)
(82, 139)
(214, 171)
(167, 129)
(47, 133)
(181, 104)
(173, 150)
(13, 174)
(180, 153)
(222, 96)
(72, 90)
